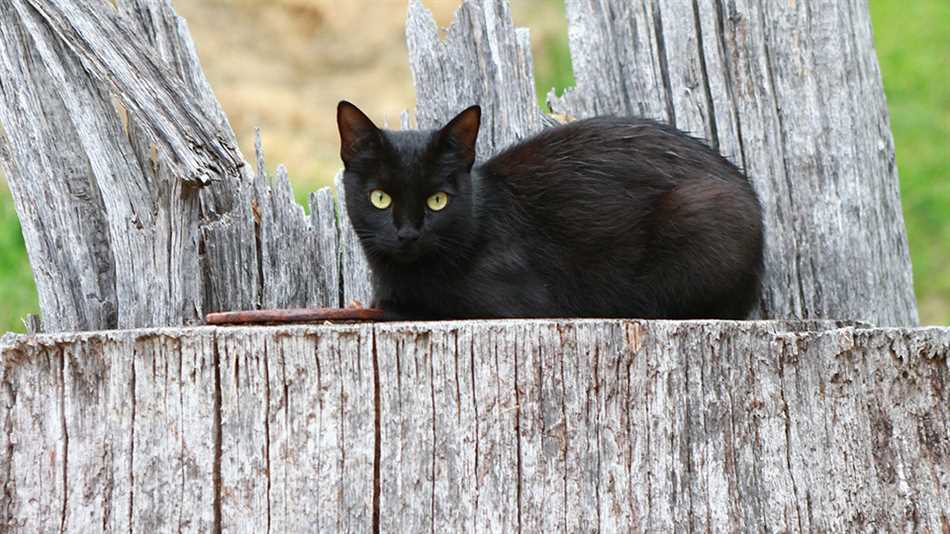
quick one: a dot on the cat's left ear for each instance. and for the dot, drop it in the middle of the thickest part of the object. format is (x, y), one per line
(463, 130)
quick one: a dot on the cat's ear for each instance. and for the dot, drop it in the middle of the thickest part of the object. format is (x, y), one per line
(463, 130)
(355, 129)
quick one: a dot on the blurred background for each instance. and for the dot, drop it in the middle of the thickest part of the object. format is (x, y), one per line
(282, 65)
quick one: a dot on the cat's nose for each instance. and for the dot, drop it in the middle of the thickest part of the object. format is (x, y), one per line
(407, 234)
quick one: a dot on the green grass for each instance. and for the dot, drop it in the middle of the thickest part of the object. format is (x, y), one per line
(17, 291)
(913, 44)
(552, 67)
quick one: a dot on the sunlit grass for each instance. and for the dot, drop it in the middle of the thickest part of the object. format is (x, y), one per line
(17, 291)
(913, 45)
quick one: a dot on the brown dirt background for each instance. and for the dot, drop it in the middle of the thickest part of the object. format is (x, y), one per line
(282, 66)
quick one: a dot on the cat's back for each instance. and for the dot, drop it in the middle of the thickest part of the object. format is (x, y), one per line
(604, 176)
(626, 215)
(632, 150)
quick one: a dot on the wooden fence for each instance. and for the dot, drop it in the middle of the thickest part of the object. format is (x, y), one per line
(505, 426)
(139, 210)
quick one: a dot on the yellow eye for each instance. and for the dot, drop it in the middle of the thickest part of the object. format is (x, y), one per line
(437, 202)
(380, 199)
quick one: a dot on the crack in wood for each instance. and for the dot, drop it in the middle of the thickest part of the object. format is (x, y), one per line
(61, 356)
(458, 387)
(517, 396)
(780, 355)
(377, 436)
(755, 500)
(664, 64)
(803, 307)
(710, 104)
(216, 480)
(267, 413)
(432, 471)
(565, 421)
(595, 422)
(320, 403)
(728, 75)
(539, 381)
(132, 440)
(688, 445)
(341, 437)
(181, 438)
(476, 489)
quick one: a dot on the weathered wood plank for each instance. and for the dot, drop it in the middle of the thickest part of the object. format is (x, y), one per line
(407, 461)
(563, 425)
(324, 214)
(615, 54)
(72, 270)
(301, 455)
(245, 461)
(355, 353)
(454, 439)
(196, 431)
(483, 60)
(130, 239)
(124, 243)
(112, 52)
(161, 449)
(306, 432)
(34, 451)
(294, 252)
(98, 407)
(355, 277)
(139, 428)
(580, 460)
(795, 99)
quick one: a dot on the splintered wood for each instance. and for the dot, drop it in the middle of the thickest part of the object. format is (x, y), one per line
(138, 211)
(793, 98)
(151, 217)
(542, 426)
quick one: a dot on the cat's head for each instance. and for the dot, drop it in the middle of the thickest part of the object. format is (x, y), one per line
(409, 193)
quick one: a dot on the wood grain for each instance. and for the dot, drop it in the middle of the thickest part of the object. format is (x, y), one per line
(795, 99)
(138, 210)
(557, 426)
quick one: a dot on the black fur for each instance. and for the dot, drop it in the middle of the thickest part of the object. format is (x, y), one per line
(605, 217)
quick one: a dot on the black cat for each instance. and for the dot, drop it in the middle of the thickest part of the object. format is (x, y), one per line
(604, 217)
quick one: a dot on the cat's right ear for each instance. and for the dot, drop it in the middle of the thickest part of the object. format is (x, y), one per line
(355, 129)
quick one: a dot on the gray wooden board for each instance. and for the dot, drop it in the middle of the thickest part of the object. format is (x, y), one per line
(138, 209)
(354, 270)
(137, 221)
(545, 425)
(794, 98)
(34, 496)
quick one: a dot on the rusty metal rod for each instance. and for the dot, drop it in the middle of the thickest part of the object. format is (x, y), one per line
(297, 315)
